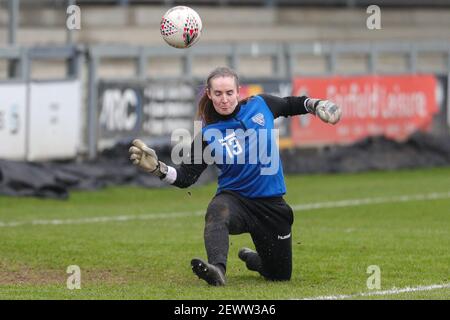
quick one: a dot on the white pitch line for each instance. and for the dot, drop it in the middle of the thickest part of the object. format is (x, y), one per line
(121, 218)
(365, 201)
(393, 291)
(299, 207)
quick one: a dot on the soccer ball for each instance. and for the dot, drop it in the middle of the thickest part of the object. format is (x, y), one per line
(181, 27)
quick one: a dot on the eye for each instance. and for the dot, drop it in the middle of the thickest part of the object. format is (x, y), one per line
(230, 93)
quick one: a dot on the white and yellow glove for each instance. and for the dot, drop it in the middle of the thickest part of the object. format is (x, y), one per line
(146, 159)
(326, 110)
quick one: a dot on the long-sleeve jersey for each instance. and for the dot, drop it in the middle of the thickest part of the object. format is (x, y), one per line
(243, 146)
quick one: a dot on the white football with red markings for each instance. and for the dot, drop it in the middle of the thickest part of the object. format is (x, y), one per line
(181, 27)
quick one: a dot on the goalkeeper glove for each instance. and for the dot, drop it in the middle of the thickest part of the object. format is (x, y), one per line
(326, 110)
(146, 158)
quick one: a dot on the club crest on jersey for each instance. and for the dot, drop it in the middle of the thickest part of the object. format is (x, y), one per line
(258, 119)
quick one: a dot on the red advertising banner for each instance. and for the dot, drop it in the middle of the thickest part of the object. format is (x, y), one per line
(393, 106)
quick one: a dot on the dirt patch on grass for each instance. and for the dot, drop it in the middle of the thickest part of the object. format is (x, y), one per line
(26, 275)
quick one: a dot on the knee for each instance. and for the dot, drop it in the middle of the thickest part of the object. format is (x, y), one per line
(217, 212)
(278, 268)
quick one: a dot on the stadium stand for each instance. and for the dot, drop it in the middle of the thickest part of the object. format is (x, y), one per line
(106, 22)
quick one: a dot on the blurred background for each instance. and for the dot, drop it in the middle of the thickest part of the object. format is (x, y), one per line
(80, 79)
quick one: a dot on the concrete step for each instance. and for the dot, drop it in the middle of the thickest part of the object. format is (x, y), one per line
(292, 34)
(144, 16)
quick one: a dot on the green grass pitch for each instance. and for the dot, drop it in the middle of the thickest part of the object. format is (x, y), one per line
(145, 252)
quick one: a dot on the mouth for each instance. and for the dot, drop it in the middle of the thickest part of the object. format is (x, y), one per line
(225, 108)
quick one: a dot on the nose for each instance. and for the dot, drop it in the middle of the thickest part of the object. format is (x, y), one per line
(224, 99)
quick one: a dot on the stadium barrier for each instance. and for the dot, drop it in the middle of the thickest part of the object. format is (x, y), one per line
(54, 120)
(13, 106)
(147, 108)
(390, 106)
(40, 120)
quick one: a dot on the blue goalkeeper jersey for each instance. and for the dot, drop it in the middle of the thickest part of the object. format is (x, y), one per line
(245, 151)
(244, 148)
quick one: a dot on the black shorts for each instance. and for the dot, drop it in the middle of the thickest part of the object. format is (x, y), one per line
(268, 220)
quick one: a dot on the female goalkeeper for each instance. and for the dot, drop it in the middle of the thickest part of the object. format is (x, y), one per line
(239, 137)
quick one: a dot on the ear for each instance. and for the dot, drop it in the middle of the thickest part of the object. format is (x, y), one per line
(208, 93)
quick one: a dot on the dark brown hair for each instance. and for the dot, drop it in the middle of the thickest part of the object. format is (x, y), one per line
(206, 109)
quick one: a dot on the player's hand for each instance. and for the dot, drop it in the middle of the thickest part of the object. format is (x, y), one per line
(326, 110)
(146, 158)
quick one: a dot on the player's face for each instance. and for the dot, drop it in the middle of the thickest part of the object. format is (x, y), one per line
(224, 94)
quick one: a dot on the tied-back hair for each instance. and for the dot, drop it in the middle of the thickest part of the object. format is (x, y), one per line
(206, 111)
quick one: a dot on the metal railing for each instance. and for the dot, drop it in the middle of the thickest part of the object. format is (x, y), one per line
(20, 59)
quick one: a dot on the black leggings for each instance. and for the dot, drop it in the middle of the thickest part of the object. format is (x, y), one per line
(268, 220)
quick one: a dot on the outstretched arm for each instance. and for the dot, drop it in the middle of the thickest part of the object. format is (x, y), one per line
(184, 176)
(188, 173)
(326, 110)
